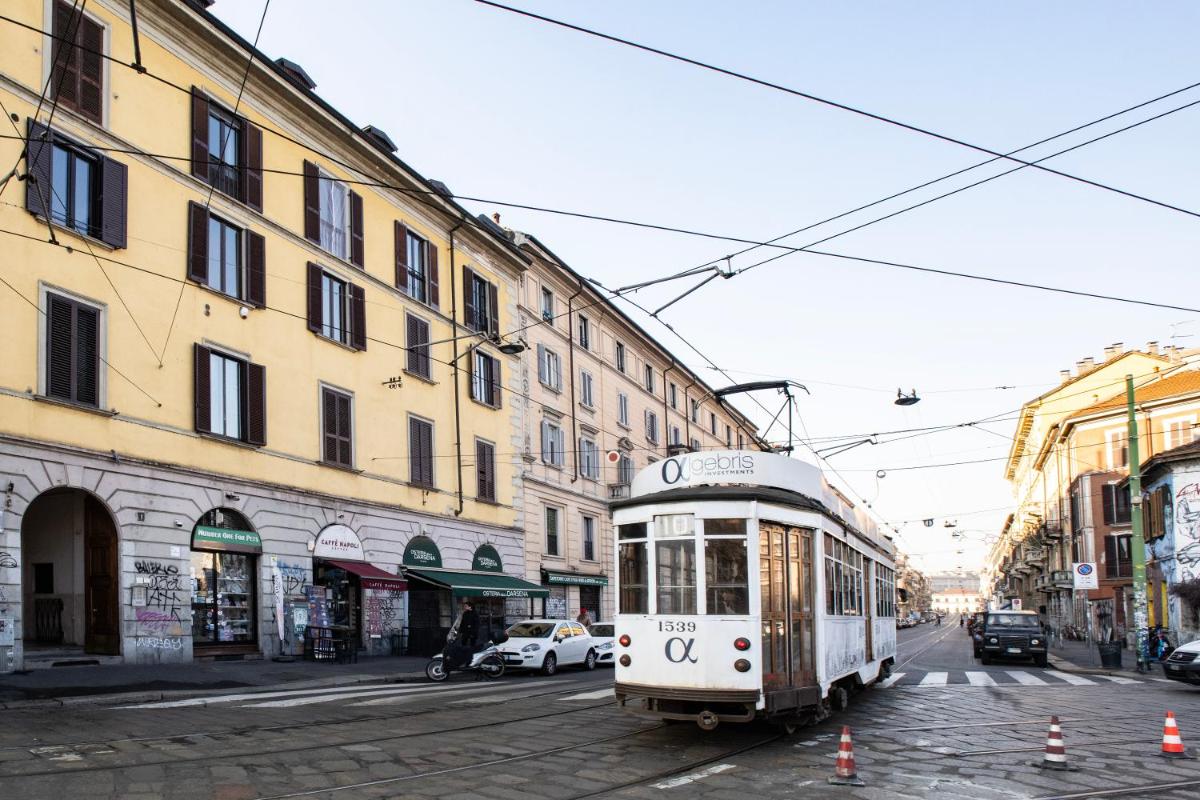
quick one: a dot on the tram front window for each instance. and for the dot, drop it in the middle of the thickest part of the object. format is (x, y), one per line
(676, 572)
(725, 574)
(635, 586)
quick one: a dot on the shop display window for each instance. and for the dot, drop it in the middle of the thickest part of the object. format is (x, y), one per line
(223, 609)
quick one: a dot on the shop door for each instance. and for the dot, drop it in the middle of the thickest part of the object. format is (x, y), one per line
(101, 580)
(800, 591)
(589, 598)
(772, 562)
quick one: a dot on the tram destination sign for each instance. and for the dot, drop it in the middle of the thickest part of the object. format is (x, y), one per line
(728, 467)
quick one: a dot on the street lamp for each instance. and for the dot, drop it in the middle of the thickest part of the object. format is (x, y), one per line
(903, 399)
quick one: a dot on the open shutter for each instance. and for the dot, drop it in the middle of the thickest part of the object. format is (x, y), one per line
(64, 57)
(256, 404)
(469, 315)
(38, 157)
(558, 374)
(358, 317)
(312, 202)
(91, 69)
(345, 456)
(496, 383)
(541, 353)
(401, 257)
(494, 311)
(545, 442)
(252, 144)
(197, 266)
(203, 390)
(314, 297)
(200, 134)
(114, 195)
(256, 270)
(60, 348)
(87, 355)
(329, 425)
(431, 268)
(356, 229)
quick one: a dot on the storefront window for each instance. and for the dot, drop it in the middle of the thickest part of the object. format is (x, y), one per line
(224, 566)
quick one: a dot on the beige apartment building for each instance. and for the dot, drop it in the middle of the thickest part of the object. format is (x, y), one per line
(604, 400)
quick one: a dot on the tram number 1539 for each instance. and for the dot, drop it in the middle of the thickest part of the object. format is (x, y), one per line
(676, 626)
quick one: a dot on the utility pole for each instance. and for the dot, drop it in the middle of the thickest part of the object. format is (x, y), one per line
(1138, 543)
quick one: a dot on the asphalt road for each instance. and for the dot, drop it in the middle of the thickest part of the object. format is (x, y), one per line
(529, 737)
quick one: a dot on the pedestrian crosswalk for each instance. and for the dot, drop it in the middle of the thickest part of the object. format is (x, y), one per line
(921, 679)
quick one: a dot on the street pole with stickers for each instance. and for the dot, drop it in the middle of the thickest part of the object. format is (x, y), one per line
(1138, 540)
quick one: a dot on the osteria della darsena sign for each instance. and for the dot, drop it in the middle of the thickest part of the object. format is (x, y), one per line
(717, 467)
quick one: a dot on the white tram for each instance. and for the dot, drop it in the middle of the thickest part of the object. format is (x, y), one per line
(706, 631)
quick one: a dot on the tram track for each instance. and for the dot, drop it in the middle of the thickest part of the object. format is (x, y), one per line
(1142, 790)
(233, 757)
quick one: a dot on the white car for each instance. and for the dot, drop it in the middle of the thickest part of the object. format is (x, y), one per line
(547, 644)
(602, 638)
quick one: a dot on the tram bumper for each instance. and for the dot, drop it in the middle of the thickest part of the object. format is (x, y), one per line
(706, 707)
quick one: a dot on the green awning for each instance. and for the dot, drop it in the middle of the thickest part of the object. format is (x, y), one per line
(573, 579)
(478, 584)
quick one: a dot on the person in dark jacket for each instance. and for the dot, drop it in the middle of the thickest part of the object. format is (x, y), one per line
(470, 625)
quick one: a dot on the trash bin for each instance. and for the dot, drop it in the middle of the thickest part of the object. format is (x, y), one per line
(1110, 654)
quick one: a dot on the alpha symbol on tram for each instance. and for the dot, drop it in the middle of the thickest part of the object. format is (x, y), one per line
(675, 655)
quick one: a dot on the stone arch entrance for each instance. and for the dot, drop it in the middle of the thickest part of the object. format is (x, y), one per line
(70, 581)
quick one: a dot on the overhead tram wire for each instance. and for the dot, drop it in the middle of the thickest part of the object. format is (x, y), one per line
(831, 103)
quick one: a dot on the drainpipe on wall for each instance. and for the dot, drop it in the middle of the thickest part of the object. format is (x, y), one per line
(455, 368)
(571, 367)
(687, 415)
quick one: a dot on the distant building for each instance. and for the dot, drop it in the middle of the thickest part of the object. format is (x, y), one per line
(957, 601)
(953, 580)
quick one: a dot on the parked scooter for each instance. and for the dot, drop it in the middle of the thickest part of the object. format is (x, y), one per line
(455, 657)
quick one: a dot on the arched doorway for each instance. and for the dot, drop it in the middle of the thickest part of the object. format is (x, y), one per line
(69, 577)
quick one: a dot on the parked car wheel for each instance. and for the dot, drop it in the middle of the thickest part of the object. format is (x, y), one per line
(590, 661)
(550, 664)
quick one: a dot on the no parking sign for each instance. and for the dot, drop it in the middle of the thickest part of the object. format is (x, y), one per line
(1085, 575)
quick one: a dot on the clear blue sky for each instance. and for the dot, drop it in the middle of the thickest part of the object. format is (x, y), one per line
(504, 107)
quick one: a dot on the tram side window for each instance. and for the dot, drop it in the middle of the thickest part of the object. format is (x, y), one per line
(635, 586)
(636, 530)
(885, 591)
(675, 570)
(843, 579)
(726, 575)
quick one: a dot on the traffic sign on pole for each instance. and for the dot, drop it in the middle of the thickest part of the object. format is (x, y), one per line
(1085, 575)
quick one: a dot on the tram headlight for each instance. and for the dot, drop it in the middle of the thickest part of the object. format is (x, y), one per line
(625, 660)
(531, 648)
(624, 640)
(742, 643)
(741, 665)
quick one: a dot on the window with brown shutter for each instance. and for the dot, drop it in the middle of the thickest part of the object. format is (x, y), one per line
(203, 389)
(226, 151)
(431, 269)
(230, 396)
(72, 351)
(356, 229)
(75, 187)
(337, 427)
(484, 377)
(420, 452)
(401, 250)
(485, 470)
(417, 344)
(358, 318)
(226, 258)
(77, 62)
(468, 288)
(312, 202)
(256, 404)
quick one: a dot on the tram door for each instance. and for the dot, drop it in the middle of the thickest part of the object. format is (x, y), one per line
(869, 607)
(785, 579)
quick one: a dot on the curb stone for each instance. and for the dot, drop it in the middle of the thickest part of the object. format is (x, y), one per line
(121, 698)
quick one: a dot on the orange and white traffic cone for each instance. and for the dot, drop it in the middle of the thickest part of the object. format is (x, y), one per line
(1172, 746)
(1055, 756)
(845, 773)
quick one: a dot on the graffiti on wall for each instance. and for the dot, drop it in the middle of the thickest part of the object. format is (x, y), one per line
(294, 576)
(162, 614)
(160, 642)
(381, 611)
(7, 559)
(1187, 532)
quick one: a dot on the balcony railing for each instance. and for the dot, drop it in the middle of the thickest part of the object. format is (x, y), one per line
(618, 491)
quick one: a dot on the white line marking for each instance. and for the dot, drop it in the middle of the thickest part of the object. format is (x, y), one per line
(393, 699)
(1075, 680)
(935, 679)
(590, 695)
(683, 780)
(1163, 680)
(233, 698)
(891, 680)
(291, 702)
(1116, 679)
(1025, 679)
(980, 679)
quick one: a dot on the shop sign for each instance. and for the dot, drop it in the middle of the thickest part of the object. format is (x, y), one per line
(205, 537)
(486, 559)
(499, 593)
(561, 579)
(422, 552)
(338, 541)
(728, 467)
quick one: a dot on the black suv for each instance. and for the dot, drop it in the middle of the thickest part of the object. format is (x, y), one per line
(1011, 634)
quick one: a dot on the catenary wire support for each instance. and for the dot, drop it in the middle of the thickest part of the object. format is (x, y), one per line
(137, 41)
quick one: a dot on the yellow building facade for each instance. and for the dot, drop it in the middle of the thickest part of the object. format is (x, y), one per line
(260, 353)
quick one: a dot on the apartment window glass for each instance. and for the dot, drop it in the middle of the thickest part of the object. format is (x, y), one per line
(674, 395)
(1116, 504)
(72, 350)
(547, 304)
(741, 441)
(676, 435)
(589, 458)
(620, 357)
(652, 427)
(712, 423)
(337, 427)
(648, 377)
(418, 346)
(74, 190)
(1117, 449)
(77, 59)
(625, 469)
(728, 436)
(695, 411)
(694, 444)
(585, 389)
(420, 452)
(549, 368)
(334, 216)
(585, 332)
(224, 145)
(418, 267)
(588, 529)
(335, 309)
(1118, 556)
(553, 451)
(226, 408)
(623, 408)
(485, 380)
(552, 522)
(485, 470)
(224, 257)
(485, 313)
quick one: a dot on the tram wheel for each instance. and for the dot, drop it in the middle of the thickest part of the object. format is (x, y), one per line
(885, 670)
(787, 726)
(839, 698)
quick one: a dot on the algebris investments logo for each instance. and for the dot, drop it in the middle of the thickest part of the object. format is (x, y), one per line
(689, 467)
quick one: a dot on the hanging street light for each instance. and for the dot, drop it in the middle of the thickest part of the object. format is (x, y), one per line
(903, 399)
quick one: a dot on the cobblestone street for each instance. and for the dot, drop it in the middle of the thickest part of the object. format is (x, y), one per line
(938, 731)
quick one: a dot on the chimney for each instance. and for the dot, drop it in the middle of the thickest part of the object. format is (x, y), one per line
(1064, 375)
(1085, 366)
(496, 217)
(1152, 348)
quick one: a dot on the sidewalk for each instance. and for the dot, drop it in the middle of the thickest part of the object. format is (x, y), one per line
(147, 683)
(1084, 657)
